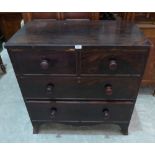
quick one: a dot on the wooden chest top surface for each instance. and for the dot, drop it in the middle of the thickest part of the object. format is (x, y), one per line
(71, 33)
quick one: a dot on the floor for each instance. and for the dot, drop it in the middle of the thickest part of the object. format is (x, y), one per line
(15, 125)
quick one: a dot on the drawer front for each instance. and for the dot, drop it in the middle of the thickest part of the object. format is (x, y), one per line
(68, 111)
(44, 62)
(112, 62)
(79, 88)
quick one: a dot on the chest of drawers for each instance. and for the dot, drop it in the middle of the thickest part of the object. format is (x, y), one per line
(79, 72)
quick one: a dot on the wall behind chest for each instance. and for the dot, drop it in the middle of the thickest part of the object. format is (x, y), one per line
(146, 22)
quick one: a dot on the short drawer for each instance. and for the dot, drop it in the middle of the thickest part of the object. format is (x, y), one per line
(116, 61)
(70, 111)
(43, 61)
(108, 88)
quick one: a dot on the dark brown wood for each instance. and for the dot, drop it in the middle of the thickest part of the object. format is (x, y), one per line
(50, 33)
(36, 126)
(128, 16)
(124, 128)
(69, 111)
(79, 72)
(9, 24)
(93, 61)
(44, 61)
(75, 88)
(98, 61)
(139, 17)
(29, 16)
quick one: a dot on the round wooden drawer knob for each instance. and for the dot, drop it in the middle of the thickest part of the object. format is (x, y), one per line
(108, 89)
(49, 88)
(112, 65)
(44, 64)
(106, 113)
(53, 112)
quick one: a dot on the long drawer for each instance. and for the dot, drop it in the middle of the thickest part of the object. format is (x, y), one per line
(107, 88)
(73, 111)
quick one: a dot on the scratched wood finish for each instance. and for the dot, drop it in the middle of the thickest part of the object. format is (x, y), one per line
(96, 83)
(87, 33)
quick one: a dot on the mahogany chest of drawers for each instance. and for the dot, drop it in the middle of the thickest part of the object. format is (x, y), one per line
(79, 72)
